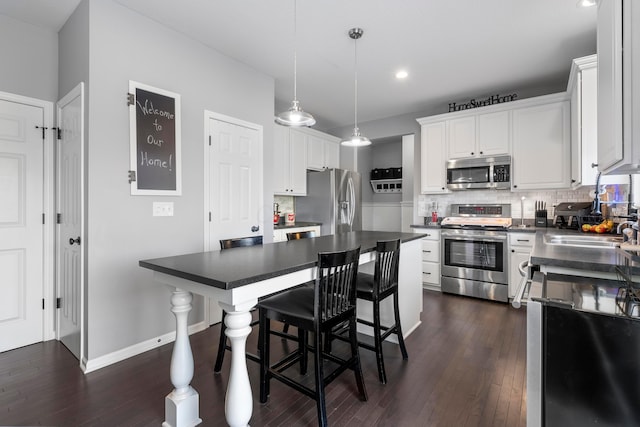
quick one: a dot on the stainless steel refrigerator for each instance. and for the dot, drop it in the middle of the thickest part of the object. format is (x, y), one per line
(334, 199)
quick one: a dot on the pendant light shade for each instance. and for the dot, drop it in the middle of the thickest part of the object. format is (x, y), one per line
(295, 116)
(356, 139)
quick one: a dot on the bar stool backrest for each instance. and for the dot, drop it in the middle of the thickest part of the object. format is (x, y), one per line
(385, 275)
(242, 241)
(296, 235)
(335, 290)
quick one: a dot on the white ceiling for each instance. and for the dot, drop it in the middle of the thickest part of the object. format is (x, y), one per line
(454, 50)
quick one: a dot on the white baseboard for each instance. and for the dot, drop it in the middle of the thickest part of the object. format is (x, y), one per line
(125, 353)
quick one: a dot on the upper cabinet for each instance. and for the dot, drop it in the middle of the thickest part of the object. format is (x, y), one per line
(541, 144)
(534, 131)
(290, 157)
(479, 135)
(583, 89)
(618, 47)
(323, 150)
(432, 157)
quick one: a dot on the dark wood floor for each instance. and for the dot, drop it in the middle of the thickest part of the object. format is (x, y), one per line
(466, 367)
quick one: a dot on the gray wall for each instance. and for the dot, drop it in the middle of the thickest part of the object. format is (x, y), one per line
(29, 60)
(124, 306)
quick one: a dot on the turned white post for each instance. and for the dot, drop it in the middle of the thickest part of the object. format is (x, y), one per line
(239, 400)
(181, 405)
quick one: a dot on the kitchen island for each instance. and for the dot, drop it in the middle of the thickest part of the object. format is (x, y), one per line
(237, 277)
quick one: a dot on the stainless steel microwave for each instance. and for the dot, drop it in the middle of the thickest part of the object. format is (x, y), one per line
(479, 173)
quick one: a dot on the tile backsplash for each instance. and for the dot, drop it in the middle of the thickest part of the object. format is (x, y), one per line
(286, 204)
(551, 197)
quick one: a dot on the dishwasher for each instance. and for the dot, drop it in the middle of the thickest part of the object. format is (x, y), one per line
(583, 350)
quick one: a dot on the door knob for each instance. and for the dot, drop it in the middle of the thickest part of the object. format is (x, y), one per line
(255, 228)
(76, 240)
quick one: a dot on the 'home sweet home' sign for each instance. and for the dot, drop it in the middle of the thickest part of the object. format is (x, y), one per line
(475, 103)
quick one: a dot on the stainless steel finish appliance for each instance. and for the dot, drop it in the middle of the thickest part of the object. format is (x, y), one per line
(583, 347)
(570, 215)
(334, 199)
(479, 173)
(475, 260)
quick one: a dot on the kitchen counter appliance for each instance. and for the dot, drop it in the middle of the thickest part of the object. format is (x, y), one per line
(571, 215)
(475, 259)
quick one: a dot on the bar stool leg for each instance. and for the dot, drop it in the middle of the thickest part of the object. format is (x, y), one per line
(396, 311)
(377, 336)
(319, 373)
(222, 344)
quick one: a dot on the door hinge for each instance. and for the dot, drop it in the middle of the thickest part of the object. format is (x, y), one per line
(42, 219)
(43, 303)
(209, 216)
(58, 218)
(132, 176)
(131, 99)
(58, 302)
(209, 140)
(44, 128)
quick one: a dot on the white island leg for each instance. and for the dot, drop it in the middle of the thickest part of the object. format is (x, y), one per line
(181, 405)
(239, 399)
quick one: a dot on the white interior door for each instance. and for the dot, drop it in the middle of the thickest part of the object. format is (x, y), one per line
(21, 224)
(233, 187)
(70, 239)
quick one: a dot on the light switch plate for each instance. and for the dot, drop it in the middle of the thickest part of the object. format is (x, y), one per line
(162, 208)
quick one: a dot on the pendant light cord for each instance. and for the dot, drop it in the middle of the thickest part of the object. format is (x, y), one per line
(355, 75)
(295, 52)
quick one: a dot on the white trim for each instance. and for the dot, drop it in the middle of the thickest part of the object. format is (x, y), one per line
(136, 349)
(48, 205)
(77, 91)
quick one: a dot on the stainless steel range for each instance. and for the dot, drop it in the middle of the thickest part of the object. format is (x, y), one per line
(475, 261)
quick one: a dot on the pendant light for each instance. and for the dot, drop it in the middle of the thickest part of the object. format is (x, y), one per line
(295, 116)
(356, 139)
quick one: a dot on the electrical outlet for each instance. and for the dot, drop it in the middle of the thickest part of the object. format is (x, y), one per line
(162, 208)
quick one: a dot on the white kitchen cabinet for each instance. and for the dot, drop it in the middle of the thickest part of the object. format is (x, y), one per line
(462, 137)
(583, 87)
(290, 155)
(323, 151)
(520, 246)
(280, 234)
(618, 47)
(541, 147)
(432, 157)
(478, 135)
(430, 258)
(493, 133)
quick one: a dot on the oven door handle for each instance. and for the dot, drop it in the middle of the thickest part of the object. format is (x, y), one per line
(480, 237)
(523, 269)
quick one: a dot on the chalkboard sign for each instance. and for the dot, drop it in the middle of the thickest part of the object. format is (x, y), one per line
(154, 140)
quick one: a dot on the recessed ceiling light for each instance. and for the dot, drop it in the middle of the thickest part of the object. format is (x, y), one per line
(402, 74)
(586, 3)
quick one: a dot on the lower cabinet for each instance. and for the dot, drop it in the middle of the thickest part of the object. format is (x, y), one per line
(430, 258)
(280, 235)
(520, 245)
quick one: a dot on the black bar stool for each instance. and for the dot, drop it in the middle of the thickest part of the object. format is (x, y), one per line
(330, 302)
(376, 288)
(222, 342)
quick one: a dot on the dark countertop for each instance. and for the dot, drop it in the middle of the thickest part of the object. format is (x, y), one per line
(296, 225)
(236, 267)
(580, 258)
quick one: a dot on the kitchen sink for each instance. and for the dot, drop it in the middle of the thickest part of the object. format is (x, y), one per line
(583, 241)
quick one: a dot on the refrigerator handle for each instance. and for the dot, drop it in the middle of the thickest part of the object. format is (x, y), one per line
(352, 196)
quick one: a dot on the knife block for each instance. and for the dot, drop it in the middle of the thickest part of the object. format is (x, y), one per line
(541, 218)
